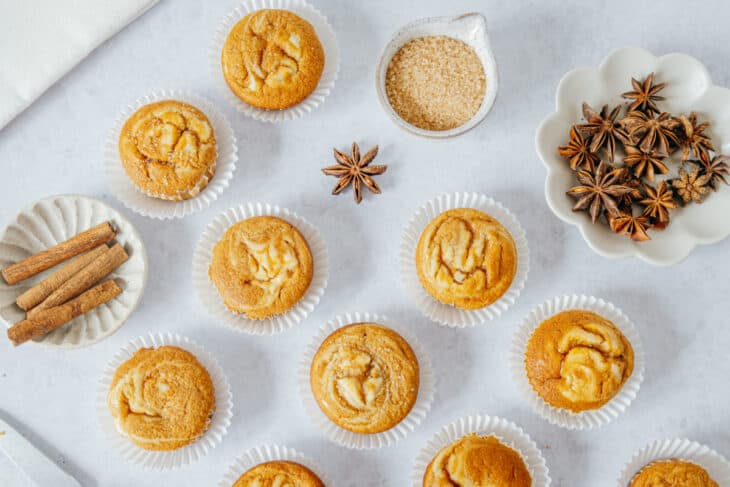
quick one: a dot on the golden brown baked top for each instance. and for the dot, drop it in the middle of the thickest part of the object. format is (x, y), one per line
(365, 378)
(672, 473)
(578, 360)
(162, 399)
(279, 474)
(477, 461)
(272, 59)
(466, 258)
(168, 150)
(261, 267)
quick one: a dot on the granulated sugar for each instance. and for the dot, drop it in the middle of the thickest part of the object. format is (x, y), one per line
(435, 83)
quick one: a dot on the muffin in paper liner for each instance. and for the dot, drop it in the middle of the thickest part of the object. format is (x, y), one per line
(147, 204)
(445, 314)
(563, 417)
(326, 35)
(681, 449)
(361, 441)
(165, 460)
(505, 431)
(213, 302)
(270, 453)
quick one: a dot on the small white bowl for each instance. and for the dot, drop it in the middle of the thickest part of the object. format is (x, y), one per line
(689, 88)
(470, 28)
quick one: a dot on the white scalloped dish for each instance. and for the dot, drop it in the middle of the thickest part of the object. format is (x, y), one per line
(689, 88)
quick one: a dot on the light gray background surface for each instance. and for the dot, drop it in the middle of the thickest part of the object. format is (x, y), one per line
(682, 311)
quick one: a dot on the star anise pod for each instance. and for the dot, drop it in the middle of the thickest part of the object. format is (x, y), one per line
(629, 224)
(603, 128)
(717, 168)
(578, 151)
(651, 133)
(691, 186)
(657, 203)
(645, 164)
(644, 95)
(632, 182)
(355, 170)
(694, 140)
(599, 189)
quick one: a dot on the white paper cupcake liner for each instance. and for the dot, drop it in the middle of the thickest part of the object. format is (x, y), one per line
(563, 417)
(445, 314)
(505, 431)
(326, 35)
(270, 453)
(212, 301)
(146, 204)
(164, 460)
(691, 451)
(360, 441)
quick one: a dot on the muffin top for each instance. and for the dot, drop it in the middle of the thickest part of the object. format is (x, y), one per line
(466, 258)
(477, 461)
(672, 473)
(261, 267)
(162, 399)
(279, 474)
(272, 59)
(365, 378)
(168, 149)
(578, 360)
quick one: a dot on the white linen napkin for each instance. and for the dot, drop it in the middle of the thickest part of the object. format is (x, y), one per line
(41, 40)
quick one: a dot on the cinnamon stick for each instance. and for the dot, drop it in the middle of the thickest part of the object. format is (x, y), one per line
(43, 289)
(101, 267)
(49, 319)
(46, 259)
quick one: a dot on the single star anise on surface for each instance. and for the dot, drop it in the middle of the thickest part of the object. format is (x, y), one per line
(578, 151)
(603, 128)
(644, 95)
(651, 133)
(355, 170)
(599, 189)
(717, 168)
(645, 164)
(627, 223)
(657, 203)
(692, 186)
(694, 140)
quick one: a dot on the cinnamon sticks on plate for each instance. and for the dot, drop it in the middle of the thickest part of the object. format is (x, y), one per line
(68, 292)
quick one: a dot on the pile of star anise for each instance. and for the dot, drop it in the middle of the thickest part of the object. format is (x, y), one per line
(627, 195)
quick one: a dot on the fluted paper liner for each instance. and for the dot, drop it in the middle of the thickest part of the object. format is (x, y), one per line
(327, 38)
(147, 204)
(50, 221)
(165, 460)
(563, 417)
(270, 453)
(208, 293)
(445, 314)
(361, 441)
(505, 431)
(683, 449)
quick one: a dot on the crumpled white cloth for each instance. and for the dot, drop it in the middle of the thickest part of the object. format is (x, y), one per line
(42, 40)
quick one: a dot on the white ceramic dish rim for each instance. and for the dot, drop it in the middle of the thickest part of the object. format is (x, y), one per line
(405, 34)
(544, 146)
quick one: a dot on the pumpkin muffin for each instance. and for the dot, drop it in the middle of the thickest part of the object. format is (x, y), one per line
(261, 267)
(279, 474)
(168, 150)
(272, 59)
(477, 461)
(466, 258)
(162, 399)
(578, 360)
(674, 473)
(365, 378)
